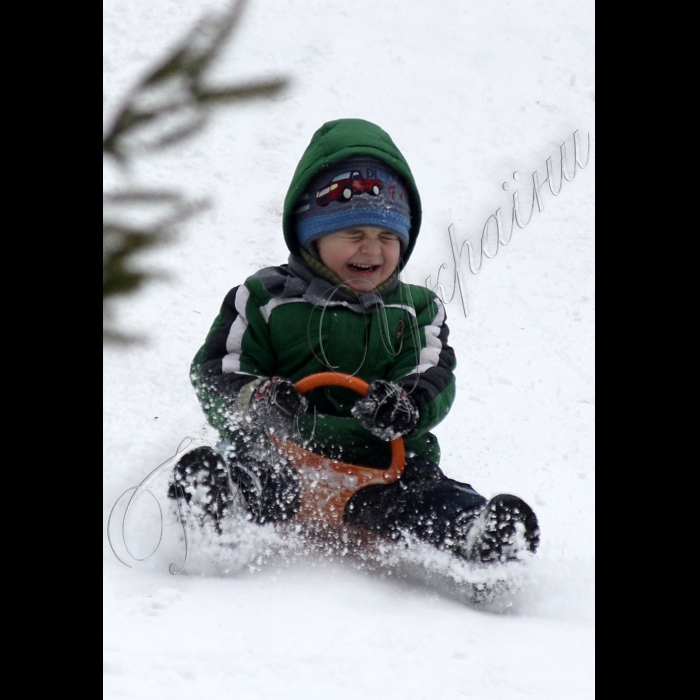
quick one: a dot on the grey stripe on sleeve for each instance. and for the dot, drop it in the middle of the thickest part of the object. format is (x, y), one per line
(231, 362)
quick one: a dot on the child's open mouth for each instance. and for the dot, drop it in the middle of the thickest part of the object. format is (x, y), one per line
(363, 268)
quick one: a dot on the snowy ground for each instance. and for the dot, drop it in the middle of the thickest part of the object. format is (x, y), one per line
(471, 92)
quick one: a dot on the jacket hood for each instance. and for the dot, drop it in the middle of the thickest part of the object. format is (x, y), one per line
(338, 140)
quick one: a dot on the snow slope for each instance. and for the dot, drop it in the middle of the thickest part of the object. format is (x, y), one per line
(472, 93)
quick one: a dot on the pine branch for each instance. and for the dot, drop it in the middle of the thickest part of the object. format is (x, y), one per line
(172, 103)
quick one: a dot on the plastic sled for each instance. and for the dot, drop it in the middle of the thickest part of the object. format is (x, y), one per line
(328, 484)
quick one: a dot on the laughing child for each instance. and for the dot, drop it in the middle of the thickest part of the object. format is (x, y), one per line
(351, 220)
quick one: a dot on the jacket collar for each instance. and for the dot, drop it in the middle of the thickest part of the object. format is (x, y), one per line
(325, 288)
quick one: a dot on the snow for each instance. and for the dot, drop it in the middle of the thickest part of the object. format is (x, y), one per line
(471, 93)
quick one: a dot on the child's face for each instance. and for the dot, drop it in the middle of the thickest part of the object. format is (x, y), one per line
(361, 257)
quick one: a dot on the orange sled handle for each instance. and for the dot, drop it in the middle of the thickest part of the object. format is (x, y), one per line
(328, 484)
(314, 381)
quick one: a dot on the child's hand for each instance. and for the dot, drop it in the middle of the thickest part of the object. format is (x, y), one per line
(276, 403)
(387, 411)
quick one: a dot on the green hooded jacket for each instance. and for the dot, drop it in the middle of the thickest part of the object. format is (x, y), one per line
(292, 321)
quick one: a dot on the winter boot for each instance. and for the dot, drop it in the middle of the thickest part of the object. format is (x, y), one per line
(270, 490)
(505, 530)
(200, 483)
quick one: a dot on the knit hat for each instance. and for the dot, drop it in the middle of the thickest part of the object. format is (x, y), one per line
(357, 191)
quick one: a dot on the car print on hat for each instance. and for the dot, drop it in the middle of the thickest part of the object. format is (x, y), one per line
(344, 186)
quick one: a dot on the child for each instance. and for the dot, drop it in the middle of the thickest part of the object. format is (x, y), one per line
(351, 219)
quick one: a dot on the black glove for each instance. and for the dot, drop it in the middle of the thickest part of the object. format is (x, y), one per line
(276, 403)
(387, 411)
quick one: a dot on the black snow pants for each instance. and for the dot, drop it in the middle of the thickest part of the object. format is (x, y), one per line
(424, 503)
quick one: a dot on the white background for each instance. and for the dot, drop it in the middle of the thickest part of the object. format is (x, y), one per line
(471, 92)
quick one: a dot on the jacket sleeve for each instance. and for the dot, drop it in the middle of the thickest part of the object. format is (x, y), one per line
(425, 366)
(235, 358)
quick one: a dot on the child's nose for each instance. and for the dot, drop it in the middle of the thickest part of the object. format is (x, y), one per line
(370, 246)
